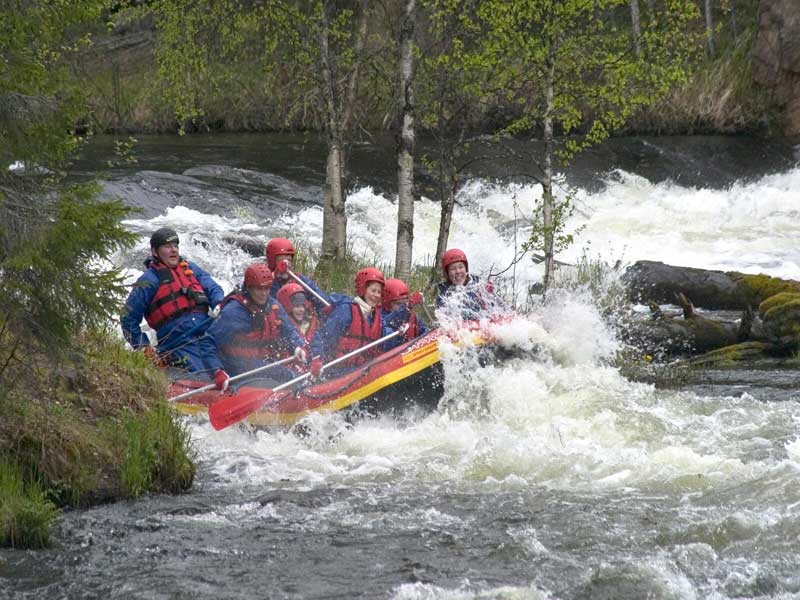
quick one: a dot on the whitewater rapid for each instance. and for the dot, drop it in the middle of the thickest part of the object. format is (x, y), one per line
(694, 493)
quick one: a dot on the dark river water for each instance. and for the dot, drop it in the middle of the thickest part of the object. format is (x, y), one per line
(548, 475)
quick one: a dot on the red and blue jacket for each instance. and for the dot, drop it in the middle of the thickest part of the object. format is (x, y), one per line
(393, 320)
(247, 336)
(175, 302)
(347, 329)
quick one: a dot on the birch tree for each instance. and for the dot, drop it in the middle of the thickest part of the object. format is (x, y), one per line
(405, 143)
(636, 26)
(574, 73)
(709, 26)
(453, 84)
(314, 52)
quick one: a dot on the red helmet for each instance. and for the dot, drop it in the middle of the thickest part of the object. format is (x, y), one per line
(365, 276)
(452, 256)
(394, 289)
(275, 248)
(257, 275)
(287, 291)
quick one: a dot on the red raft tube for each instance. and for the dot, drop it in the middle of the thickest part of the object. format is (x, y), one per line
(410, 374)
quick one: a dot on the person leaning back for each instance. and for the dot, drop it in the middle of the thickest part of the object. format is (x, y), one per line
(175, 297)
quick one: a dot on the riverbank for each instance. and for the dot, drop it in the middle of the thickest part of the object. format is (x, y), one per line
(91, 430)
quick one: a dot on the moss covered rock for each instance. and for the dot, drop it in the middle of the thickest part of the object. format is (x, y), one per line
(781, 316)
(734, 355)
(757, 288)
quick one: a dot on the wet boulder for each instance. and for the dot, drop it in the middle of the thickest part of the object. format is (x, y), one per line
(781, 317)
(650, 281)
(664, 336)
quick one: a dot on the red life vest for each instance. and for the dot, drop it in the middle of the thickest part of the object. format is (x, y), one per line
(286, 347)
(413, 327)
(178, 293)
(360, 333)
(263, 339)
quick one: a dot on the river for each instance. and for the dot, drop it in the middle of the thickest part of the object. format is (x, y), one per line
(542, 477)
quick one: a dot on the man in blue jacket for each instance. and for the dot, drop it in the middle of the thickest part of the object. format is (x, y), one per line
(175, 297)
(252, 328)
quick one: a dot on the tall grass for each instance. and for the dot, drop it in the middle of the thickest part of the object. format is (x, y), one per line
(92, 431)
(157, 456)
(25, 512)
(720, 97)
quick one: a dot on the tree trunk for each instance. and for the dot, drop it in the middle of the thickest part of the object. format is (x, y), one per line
(405, 146)
(709, 28)
(334, 217)
(547, 180)
(339, 106)
(637, 27)
(448, 202)
(651, 7)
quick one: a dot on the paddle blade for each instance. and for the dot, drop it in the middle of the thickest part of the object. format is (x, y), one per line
(232, 409)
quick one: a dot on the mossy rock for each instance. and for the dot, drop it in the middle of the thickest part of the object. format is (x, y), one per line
(782, 321)
(731, 356)
(757, 288)
(776, 300)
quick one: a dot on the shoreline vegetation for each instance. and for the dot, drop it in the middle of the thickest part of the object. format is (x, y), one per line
(93, 428)
(126, 95)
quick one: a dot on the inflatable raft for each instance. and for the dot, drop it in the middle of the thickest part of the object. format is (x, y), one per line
(408, 374)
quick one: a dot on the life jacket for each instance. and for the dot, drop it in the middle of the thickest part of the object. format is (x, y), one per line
(413, 327)
(360, 333)
(287, 349)
(178, 293)
(264, 336)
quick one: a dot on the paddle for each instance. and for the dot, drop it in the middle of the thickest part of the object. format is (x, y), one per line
(425, 309)
(283, 267)
(233, 409)
(212, 386)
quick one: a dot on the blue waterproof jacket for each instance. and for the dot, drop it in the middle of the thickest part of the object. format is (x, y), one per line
(182, 339)
(235, 319)
(393, 320)
(470, 298)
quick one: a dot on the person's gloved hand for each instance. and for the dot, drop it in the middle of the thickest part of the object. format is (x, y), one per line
(214, 312)
(316, 366)
(149, 352)
(282, 266)
(300, 355)
(398, 316)
(327, 310)
(415, 299)
(221, 379)
(489, 286)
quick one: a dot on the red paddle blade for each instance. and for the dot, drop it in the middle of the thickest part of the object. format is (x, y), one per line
(232, 409)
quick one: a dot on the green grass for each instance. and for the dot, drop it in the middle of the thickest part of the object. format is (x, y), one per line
(25, 512)
(158, 454)
(93, 429)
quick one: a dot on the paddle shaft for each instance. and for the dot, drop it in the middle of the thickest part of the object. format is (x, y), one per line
(427, 312)
(307, 287)
(335, 362)
(212, 386)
